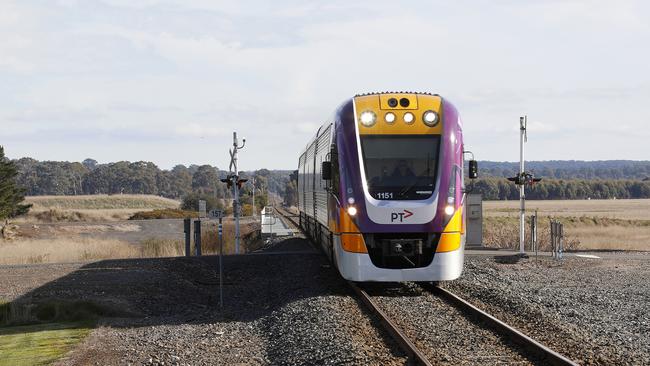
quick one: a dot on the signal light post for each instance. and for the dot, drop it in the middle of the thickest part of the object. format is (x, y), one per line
(523, 122)
(233, 181)
(522, 179)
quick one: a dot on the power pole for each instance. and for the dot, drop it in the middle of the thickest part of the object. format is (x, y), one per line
(523, 122)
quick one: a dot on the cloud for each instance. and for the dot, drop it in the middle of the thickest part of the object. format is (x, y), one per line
(198, 130)
(145, 76)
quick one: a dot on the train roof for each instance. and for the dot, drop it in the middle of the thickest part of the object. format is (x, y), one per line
(396, 92)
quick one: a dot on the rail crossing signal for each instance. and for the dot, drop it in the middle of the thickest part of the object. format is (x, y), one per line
(525, 178)
(233, 181)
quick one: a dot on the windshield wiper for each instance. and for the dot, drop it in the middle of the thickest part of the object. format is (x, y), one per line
(417, 179)
(409, 187)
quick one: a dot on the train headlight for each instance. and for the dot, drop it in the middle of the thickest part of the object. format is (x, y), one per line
(430, 118)
(352, 211)
(389, 117)
(368, 118)
(449, 210)
(409, 117)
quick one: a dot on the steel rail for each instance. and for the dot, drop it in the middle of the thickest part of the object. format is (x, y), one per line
(415, 355)
(529, 344)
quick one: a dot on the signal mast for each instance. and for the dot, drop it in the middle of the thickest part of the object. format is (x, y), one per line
(233, 181)
(522, 179)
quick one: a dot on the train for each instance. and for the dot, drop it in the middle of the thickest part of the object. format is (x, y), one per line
(381, 188)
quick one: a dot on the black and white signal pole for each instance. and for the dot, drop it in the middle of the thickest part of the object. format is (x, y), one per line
(523, 122)
(522, 179)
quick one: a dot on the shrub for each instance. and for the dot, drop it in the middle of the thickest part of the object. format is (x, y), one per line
(191, 202)
(163, 214)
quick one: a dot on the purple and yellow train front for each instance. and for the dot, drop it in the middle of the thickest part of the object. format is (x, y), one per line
(381, 188)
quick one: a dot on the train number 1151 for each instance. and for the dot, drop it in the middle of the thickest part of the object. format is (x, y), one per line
(384, 195)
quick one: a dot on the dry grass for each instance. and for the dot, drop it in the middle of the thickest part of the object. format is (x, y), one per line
(616, 237)
(593, 224)
(73, 249)
(638, 209)
(93, 208)
(102, 201)
(503, 232)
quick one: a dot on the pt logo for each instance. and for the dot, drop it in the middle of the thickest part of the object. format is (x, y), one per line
(400, 215)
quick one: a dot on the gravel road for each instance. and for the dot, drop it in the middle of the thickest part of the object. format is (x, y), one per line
(280, 309)
(595, 311)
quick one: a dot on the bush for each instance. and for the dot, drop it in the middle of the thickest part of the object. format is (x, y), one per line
(54, 215)
(163, 214)
(191, 202)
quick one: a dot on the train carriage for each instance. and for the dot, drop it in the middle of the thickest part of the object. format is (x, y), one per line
(381, 188)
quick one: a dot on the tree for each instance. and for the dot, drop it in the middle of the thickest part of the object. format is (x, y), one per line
(180, 181)
(191, 202)
(90, 164)
(11, 195)
(291, 193)
(205, 179)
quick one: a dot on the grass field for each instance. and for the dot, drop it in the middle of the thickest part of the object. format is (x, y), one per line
(83, 243)
(64, 249)
(93, 207)
(638, 209)
(39, 344)
(589, 224)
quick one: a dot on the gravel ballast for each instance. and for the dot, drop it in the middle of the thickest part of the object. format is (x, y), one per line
(594, 311)
(446, 335)
(280, 309)
(295, 309)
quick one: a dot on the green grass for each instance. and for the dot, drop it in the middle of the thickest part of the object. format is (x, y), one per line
(41, 333)
(39, 344)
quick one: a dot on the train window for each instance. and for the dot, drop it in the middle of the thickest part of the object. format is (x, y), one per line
(334, 183)
(401, 167)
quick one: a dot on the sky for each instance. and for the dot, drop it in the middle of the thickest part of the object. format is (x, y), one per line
(168, 81)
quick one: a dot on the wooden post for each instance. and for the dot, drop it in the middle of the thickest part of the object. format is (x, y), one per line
(197, 238)
(187, 228)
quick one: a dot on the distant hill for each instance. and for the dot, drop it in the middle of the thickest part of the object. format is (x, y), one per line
(571, 169)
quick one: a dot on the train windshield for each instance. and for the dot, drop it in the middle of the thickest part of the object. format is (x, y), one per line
(400, 167)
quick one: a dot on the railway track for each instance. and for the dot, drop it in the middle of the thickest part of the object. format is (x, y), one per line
(532, 350)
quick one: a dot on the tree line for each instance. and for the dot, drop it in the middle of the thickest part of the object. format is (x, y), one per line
(141, 177)
(557, 189)
(571, 169)
(561, 180)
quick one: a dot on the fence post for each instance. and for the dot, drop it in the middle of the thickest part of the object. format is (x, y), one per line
(561, 240)
(533, 233)
(553, 238)
(187, 228)
(197, 238)
(220, 231)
